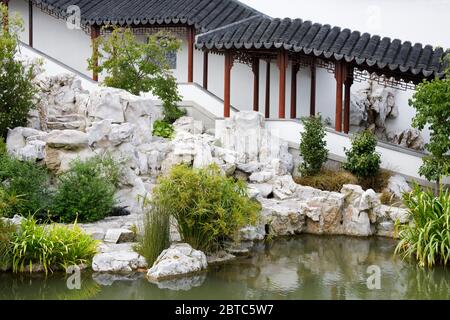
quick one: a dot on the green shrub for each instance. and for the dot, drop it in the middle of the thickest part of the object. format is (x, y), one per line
(163, 129)
(313, 146)
(3, 149)
(377, 182)
(54, 247)
(24, 187)
(428, 237)
(139, 66)
(6, 232)
(328, 180)
(86, 192)
(207, 207)
(362, 160)
(156, 233)
(17, 91)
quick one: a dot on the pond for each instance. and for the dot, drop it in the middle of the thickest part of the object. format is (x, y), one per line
(304, 267)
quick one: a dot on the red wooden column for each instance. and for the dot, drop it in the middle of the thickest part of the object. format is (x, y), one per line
(227, 84)
(295, 68)
(191, 40)
(339, 82)
(30, 23)
(312, 102)
(255, 69)
(267, 106)
(282, 66)
(205, 69)
(95, 33)
(348, 74)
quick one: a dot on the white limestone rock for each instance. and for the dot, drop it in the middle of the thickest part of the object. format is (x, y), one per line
(264, 189)
(67, 139)
(118, 261)
(283, 217)
(398, 185)
(284, 187)
(252, 233)
(119, 236)
(108, 103)
(180, 259)
(410, 138)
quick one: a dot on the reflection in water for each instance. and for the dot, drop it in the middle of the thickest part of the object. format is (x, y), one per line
(307, 267)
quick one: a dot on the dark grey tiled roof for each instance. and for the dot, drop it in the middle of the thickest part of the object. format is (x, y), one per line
(203, 14)
(328, 42)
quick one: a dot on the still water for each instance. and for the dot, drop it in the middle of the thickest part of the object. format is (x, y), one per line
(305, 267)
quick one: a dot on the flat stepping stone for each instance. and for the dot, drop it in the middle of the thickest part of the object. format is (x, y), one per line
(119, 236)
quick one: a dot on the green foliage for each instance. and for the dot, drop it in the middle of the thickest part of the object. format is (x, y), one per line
(54, 247)
(155, 237)
(3, 149)
(6, 232)
(17, 92)
(23, 187)
(428, 237)
(328, 180)
(86, 192)
(432, 104)
(163, 129)
(138, 66)
(313, 146)
(207, 207)
(362, 160)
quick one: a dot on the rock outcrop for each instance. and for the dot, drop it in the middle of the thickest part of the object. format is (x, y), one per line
(179, 260)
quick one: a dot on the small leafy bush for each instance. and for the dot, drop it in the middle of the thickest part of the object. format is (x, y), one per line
(17, 91)
(86, 192)
(139, 66)
(362, 160)
(428, 237)
(207, 207)
(24, 187)
(328, 180)
(54, 247)
(163, 129)
(155, 237)
(6, 232)
(313, 146)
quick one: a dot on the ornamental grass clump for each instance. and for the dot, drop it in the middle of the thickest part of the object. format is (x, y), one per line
(155, 237)
(208, 207)
(427, 238)
(53, 247)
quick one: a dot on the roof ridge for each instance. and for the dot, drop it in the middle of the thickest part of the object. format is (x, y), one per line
(230, 25)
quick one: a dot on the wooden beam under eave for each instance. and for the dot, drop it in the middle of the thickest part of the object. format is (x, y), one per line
(267, 94)
(339, 95)
(312, 102)
(191, 40)
(95, 33)
(205, 69)
(30, 23)
(295, 69)
(348, 74)
(282, 66)
(255, 69)
(227, 84)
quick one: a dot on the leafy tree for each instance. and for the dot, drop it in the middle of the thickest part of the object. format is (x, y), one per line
(17, 91)
(362, 160)
(138, 66)
(432, 104)
(313, 146)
